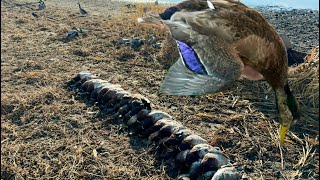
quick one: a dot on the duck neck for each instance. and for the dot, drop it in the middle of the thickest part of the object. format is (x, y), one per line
(79, 5)
(285, 116)
(292, 103)
(287, 105)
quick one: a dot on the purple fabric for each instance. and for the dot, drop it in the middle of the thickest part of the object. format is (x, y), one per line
(168, 13)
(190, 58)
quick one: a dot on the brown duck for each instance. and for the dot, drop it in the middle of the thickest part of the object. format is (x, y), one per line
(219, 42)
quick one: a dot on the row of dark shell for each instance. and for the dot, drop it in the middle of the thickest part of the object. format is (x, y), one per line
(190, 151)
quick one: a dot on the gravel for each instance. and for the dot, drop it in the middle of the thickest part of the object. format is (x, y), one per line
(300, 25)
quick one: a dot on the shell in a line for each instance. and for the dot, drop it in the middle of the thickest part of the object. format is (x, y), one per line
(116, 98)
(143, 99)
(190, 141)
(95, 92)
(226, 173)
(85, 85)
(86, 78)
(165, 131)
(197, 152)
(119, 96)
(181, 157)
(195, 170)
(158, 125)
(153, 117)
(206, 175)
(111, 92)
(97, 83)
(183, 177)
(131, 113)
(210, 162)
(175, 139)
(133, 122)
(80, 75)
(143, 114)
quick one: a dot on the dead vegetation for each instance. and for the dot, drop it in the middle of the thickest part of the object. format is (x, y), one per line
(49, 132)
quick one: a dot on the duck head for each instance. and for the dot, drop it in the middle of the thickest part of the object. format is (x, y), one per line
(288, 109)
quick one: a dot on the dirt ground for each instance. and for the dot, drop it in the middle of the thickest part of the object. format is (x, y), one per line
(48, 132)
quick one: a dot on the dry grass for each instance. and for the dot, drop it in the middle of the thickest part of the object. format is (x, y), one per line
(49, 132)
(305, 80)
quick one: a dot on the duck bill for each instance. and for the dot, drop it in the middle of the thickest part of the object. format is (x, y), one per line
(282, 133)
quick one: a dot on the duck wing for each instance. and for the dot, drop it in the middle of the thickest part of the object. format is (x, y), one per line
(207, 62)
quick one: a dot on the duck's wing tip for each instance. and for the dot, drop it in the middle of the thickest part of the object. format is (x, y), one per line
(180, 81)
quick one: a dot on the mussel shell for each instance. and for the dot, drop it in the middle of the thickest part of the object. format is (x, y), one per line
(153, 117)
(133, 122)
(118, 99)
(190, 141)
(85, 85)
(110, 93)
(125, 100)
(127, 116)
(116, 115)
(165, 131)
(117, 106)
(166, 150)
(195, 170)
(123, 110)
(96, 84)
(145, 101)
(168, 142)
(80, 75)
(226, 173)
(136, 103)
(95, 92)
(198, 152)
(207, 175)
(107, 110)
(210, 162)
(74, 85)
(101, 93)
(183, 177)
(180, 134)
(158, 125)
(90, 87)
(142, 114)
(172, 140)
(181, 157)
(114, 97)
(134, 111)
(85, 78)
(222, 158)
(105, 88)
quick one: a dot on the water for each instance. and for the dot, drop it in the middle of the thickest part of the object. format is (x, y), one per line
(290, 4)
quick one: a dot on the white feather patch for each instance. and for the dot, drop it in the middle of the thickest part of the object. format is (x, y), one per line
(139, 19)
(210, 5)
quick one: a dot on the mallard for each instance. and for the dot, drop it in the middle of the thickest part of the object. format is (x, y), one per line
(220, 42)
(82, 11)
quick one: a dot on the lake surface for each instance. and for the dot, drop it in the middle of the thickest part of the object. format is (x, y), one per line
(290, 4)
(294, 4)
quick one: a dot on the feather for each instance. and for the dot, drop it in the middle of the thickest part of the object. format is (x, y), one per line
(182, 81)
(210, 5)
